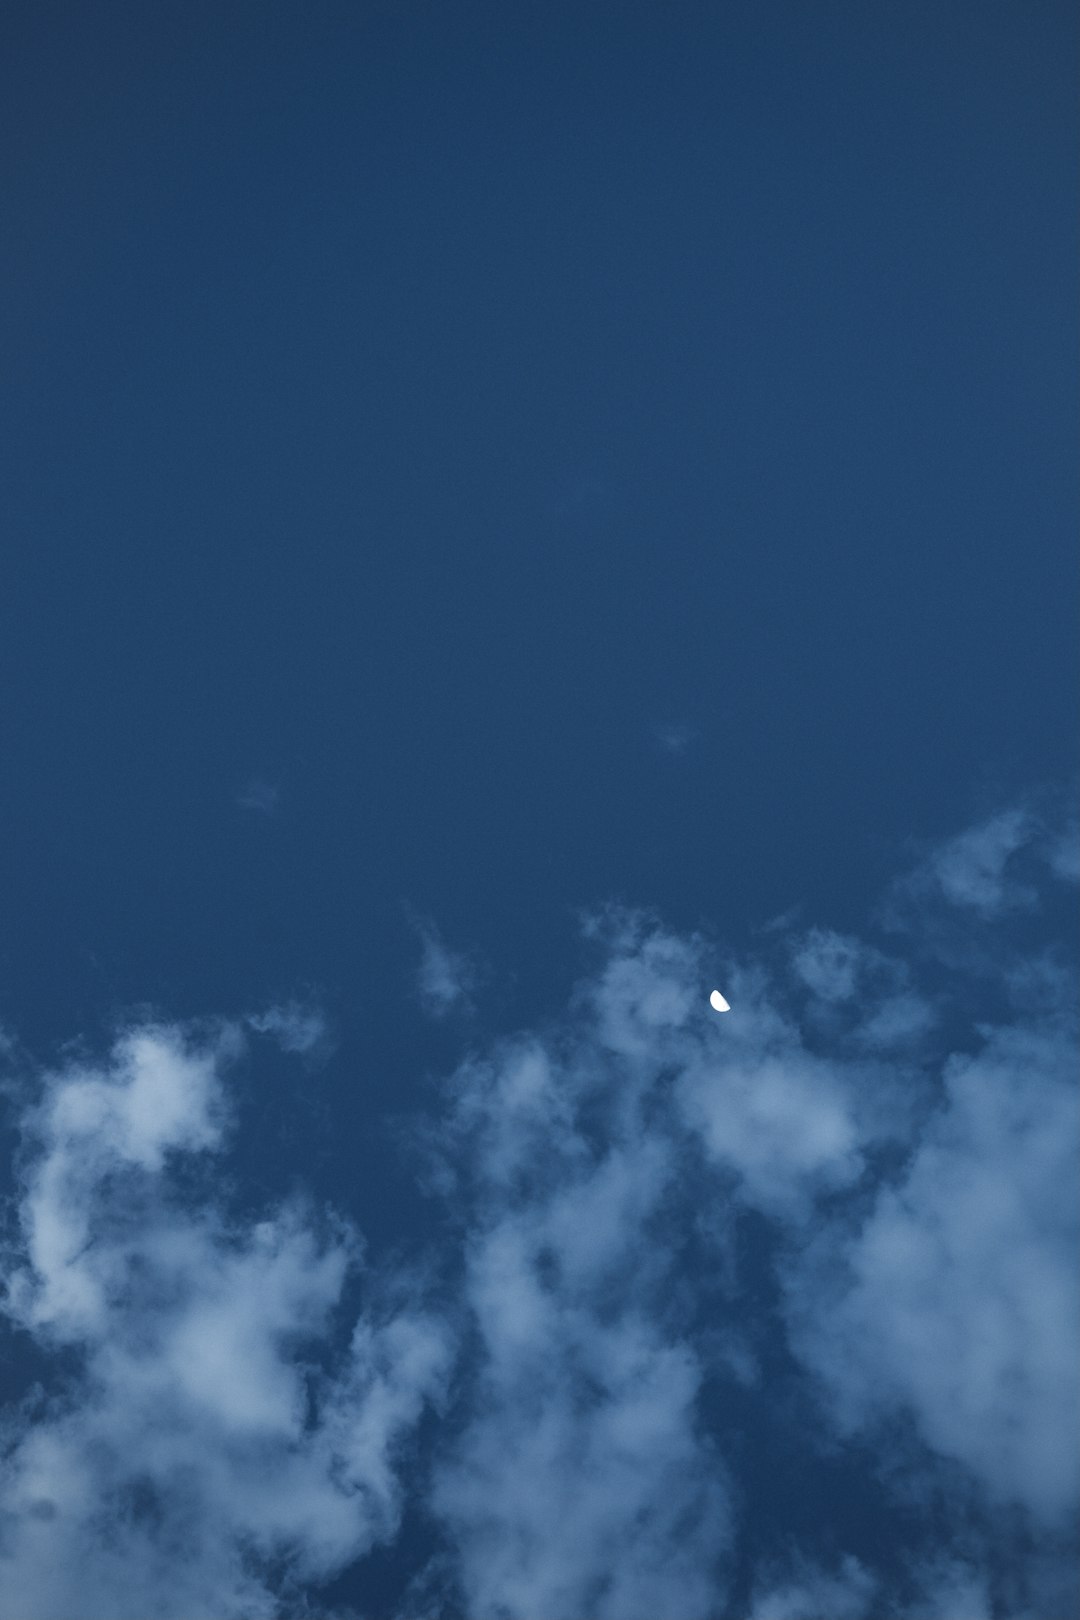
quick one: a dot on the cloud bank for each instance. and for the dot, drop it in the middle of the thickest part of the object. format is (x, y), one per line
(847, 1207)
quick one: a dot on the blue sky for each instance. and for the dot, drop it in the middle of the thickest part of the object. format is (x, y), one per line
(516, 515)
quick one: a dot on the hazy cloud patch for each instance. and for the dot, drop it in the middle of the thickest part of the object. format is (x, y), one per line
(297, 1027)
(674, 737)
(1064, 853)
(445, 978)
(898, 1021)
(994, 870)
(972, 870)
(828, 963)
(811, 1593)
(260, 796)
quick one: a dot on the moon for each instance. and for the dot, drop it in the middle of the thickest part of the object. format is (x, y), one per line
(717, 1002)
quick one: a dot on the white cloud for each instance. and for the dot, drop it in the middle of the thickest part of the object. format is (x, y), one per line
(995, 869)
(859, 990)
(942, 1590)
(957, 1299)
(944, 1293)
(445, 978)
(216, 1430)
(296, 1027)
(1064, 853)
(259, 795)
(580, 1482)
(647, 991)
(193, 1449)
(950, 1590)
(898, 1021)
(581, 1485)
(810, 1593)
(828, 963)
(781, 1122)
(971, 869)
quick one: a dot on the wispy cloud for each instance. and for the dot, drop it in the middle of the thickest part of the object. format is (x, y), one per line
(259, 795)
(996, 868)
(674, 737)
(828, 963)
(445, 978)
(809, 1593)
(1064, 853)
(973, 869)
(940, 1590)
(296, 1026)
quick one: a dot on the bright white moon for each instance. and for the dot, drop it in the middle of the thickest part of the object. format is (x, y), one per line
(717, 1002)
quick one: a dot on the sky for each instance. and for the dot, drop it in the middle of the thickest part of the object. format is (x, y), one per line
(516, 516)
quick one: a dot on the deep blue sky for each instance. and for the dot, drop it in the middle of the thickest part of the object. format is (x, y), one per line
(414, 406)
(478, 461)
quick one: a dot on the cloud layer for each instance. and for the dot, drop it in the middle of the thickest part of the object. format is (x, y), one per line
(845, 1205)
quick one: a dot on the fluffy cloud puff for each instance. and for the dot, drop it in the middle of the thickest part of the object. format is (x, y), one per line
(579, 1480)
(192, 1450)
(957, 1298)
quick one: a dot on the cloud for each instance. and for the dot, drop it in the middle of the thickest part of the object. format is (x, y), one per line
(828, 964)
(850, 979)
(580, 1484)
(957, 1299)
(898, 1021)
(193, 1463)
(445, 978)
(781, 1121)
(995, 869)
(296, 1027)
(940, 1590)
(784, 1123)
(815, 1594)
(949, 1589)
(840, 1214)
(972, 869)
(674, 737)
(260, 796)
(579, 1480)
(1064, 853)
(927, 1272)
